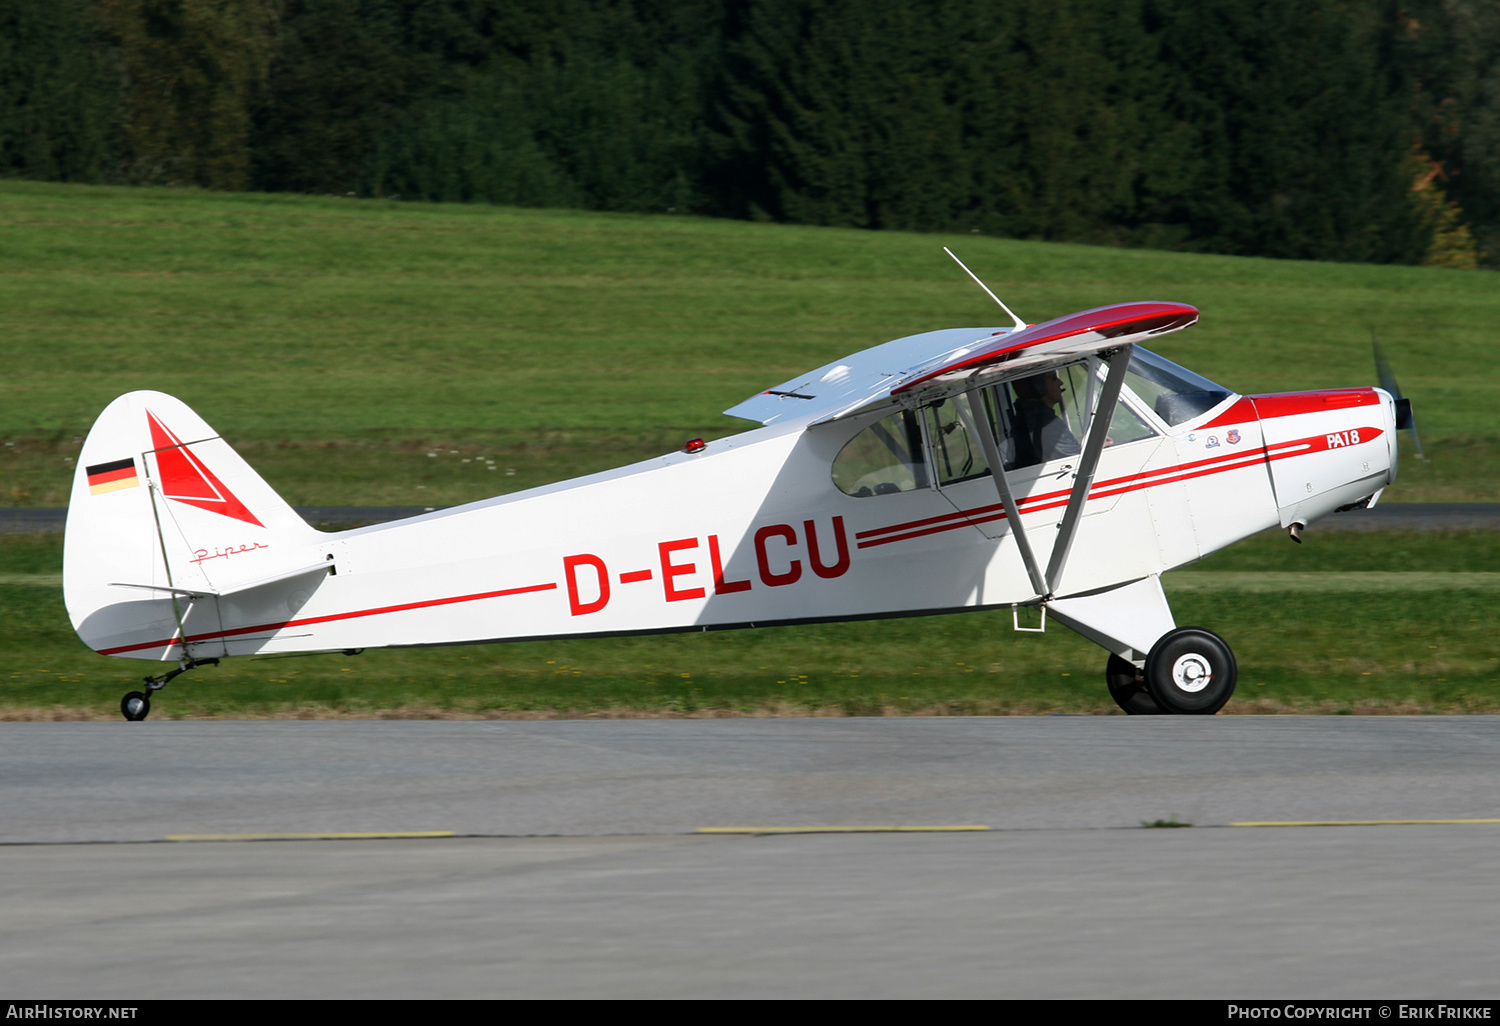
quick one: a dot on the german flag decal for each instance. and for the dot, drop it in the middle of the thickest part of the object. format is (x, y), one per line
(111, 477)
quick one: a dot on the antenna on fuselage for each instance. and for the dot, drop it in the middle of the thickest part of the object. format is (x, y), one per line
(1019, 323)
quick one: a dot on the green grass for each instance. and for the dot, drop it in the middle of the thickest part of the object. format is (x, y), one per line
(337, 342)
(1333, 552)
(366, 352)
(1311, 634)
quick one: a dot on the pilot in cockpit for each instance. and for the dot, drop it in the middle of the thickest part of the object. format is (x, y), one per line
(1040, 434)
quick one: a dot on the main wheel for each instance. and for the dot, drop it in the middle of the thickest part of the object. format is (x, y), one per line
(135, 706)
(1127, 686)
(1190, 670)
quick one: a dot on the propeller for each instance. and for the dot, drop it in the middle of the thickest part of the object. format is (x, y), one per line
(1404, 419)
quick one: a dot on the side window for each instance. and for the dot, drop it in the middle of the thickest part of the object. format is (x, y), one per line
(955, 456)
(1045, 414)
(885, 457)
(1044, 417)
(1127, 426)
(1039, 418)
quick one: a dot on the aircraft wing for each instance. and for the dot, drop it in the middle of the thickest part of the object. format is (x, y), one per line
(856, 381)
(950, 357)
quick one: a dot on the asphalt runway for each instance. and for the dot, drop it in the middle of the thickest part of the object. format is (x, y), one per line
(577, 867)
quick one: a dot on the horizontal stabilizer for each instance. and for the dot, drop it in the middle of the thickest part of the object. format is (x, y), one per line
(316, 568)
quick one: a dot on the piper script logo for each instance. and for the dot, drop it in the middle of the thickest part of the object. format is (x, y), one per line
(185, 478)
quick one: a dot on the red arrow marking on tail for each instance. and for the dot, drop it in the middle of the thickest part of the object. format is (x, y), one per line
(186, 479)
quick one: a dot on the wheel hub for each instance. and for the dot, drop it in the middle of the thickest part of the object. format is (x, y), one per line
(1192, 672)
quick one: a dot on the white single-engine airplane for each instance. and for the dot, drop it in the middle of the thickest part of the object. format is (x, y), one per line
(870, 491)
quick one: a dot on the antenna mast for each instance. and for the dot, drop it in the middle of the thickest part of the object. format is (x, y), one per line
(1020, 324)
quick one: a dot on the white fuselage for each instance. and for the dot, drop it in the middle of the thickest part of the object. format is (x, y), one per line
(752, 531)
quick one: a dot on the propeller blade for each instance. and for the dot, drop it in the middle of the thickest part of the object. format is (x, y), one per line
(1383, 369)
(1404, 419)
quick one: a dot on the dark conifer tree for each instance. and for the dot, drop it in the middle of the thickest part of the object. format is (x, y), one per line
(597, 105)
(840, 112)
(1074, 144)
(57, 102)
(1444, 57)
(1275, 127)
(191, 72)
(1299, 132)
(341, 76)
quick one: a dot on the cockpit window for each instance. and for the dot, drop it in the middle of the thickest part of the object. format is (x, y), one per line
(1037, 419)
(1127, 426)
(1044, 415)
(885, 457)
(1175, 394)
(955, 456)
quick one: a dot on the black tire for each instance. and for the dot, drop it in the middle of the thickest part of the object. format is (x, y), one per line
(1127, 686)
(135, 706)
(1191, 671)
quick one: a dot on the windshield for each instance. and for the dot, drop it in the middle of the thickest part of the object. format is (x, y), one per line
(1175, 394)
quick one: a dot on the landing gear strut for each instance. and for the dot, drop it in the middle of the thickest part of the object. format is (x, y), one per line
(136, 706)
(1190, 671)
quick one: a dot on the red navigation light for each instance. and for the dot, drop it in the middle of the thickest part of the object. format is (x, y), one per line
(695, 445)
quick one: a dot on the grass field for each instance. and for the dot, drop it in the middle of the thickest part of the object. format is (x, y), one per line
(368, 352)
(1348, 622)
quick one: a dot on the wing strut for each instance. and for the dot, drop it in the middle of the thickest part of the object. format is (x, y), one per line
(1118, 361)
(977, 424)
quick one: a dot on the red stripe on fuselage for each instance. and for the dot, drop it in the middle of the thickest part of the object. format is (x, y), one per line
(213, 635)
(1106, 489)
(1048, 500)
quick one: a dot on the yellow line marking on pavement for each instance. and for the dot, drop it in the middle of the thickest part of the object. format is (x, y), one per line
(311, 837)
(840, 829)
(1363, 822)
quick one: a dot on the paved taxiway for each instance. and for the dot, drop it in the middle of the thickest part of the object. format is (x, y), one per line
(578, 870)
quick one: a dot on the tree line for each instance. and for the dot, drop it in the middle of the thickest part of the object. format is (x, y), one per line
(1361, 130)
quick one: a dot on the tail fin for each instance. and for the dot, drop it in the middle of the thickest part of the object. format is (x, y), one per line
(164, 518)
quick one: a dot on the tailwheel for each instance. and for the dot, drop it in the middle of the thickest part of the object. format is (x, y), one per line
(1190, 671)
(135, 706)
(1127, 686)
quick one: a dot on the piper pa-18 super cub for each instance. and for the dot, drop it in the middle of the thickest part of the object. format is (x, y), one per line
(1058, 465)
